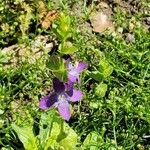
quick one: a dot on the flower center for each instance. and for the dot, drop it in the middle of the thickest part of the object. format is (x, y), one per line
(73, 72)
(63, 97)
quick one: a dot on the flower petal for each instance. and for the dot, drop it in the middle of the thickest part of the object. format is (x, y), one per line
(43, 102)
(69, 88)
(81, 66)
(48, 101)
(72, 78)
(77, 96)
(58, 86)
(64, 110)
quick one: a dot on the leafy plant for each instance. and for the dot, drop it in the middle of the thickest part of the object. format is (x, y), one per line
(54, 134)
(102, 73)
(57, 65)
(67, 48)
(26, 136)
(92, 141)
(63, 27)
(104, 70)
(101, 89)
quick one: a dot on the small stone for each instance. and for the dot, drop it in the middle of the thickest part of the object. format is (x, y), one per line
(120, 29)
(49, 46)
(101, 22)
(148, 20)
(130, 38)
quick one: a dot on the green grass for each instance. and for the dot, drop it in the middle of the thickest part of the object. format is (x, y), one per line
(114, 113)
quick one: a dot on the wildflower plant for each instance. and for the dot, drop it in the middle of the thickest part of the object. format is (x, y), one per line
(66, 74)
(63, 92)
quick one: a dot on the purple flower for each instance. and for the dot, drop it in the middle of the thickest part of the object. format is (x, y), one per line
(75, 70)
(61, 97)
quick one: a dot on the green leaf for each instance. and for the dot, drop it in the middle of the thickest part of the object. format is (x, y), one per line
(63, 27)
(95, 104)
(105, 68)
(49, 129)
(1, 123)
(104, 71)
(63, 35)
(93, 141)
(67, 48)
(70, 140)
(101, 89)
(54, 132)
(3, 58)
(65, 22)
(26, 136)
(96, 75)
(58, 67)
(45, 128)
(54, 62)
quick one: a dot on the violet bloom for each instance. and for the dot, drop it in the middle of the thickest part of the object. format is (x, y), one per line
(61, 97)
(75, 70)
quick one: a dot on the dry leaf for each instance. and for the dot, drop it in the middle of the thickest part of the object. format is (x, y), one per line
(50, 17)
(100, 22)
(42, 10)
(46, 17)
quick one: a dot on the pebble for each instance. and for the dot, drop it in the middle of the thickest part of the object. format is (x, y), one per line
(130, 38)
(148, 20)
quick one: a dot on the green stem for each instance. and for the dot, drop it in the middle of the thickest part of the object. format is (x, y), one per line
(114, 128)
